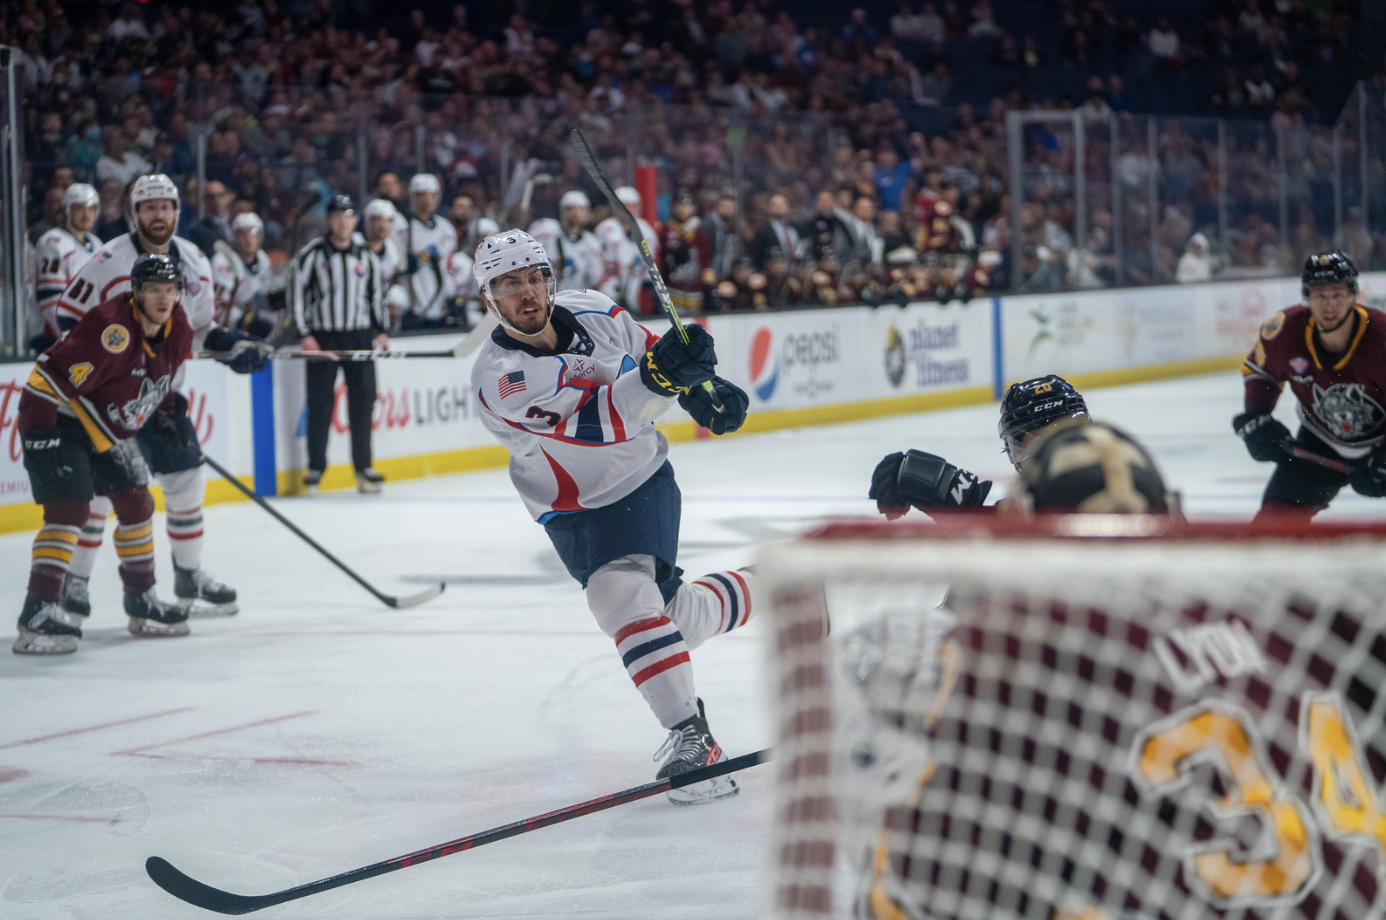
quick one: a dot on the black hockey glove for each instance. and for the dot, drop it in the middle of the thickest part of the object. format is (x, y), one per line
(1369, 477)
(672, 366)
(173, 430)
(40, 343)
(48, 455)
(697, 402)
(1262, 433)
(243, 353)
(924, 481)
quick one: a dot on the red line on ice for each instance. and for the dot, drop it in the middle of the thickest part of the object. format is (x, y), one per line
(140, 751)
(95, 728)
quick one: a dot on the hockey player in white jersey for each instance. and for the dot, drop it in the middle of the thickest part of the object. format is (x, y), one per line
(623, 269)
(432, 241)
(571, 385)
(174, 456)
(572, 249)
(243, 279)
(63, 251)
(378, 235)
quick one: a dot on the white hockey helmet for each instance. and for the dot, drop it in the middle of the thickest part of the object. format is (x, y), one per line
(153, 187)
(629, 197)
(424, 182)
(502, 253)
(485, 226)
(381, 207)
(248, 221)
(79, 193)
(574, 198)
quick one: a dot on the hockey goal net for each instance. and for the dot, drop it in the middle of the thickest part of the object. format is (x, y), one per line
(1109, 718)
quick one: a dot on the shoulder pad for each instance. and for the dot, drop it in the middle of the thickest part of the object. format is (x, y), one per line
(1272, 326)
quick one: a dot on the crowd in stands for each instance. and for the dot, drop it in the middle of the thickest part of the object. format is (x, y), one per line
(868, 157)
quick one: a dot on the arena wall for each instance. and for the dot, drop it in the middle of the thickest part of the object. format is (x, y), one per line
(806, 367)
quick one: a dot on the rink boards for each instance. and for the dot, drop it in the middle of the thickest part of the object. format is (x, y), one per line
(805, 367)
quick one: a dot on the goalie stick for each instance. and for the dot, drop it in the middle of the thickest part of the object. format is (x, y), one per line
(618, 208)
(389, 600)
(189, 889)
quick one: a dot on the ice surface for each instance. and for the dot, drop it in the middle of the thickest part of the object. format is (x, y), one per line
(318, 731)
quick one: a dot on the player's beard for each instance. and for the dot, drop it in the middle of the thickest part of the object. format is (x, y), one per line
(522, 324)
(162, 239)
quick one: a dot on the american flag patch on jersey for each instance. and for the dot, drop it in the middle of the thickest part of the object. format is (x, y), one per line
(512, 382)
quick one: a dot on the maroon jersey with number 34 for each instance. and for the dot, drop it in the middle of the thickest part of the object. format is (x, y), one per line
(107, 373)
(1342, 397)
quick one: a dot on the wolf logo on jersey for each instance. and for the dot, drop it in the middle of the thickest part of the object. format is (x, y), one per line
(132, 414)
(1347, 407)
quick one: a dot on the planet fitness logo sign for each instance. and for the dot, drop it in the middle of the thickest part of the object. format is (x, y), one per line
(765, 363)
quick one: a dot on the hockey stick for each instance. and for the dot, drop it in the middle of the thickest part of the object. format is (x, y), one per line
(196, 893)
(1299, 453)
(410, 600)
(473, 340)
(618, 207)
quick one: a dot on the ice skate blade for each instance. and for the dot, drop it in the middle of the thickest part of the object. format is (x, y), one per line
(200, 609)
(37, 643)
(699, 793)
(153, 629)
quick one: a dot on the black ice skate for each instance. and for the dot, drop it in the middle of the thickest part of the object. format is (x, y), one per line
(43, 630)
(311, 480)
(201, 595)
(688, 747)
(75, 599)
(150, 616)
(368, 481)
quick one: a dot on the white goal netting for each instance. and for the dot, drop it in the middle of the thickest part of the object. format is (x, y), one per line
(1109, 718)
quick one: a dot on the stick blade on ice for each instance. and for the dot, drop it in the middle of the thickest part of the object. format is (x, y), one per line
(188, 889)
(414, 600)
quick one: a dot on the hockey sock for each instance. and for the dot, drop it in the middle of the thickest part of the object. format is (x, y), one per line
(89, 543)
(134, 538)
(716, 603)
(53, 546)
(625, 599)
(183, 494)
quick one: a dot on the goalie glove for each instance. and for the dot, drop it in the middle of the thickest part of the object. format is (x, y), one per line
(242, 352)
(1262, 434)
(926, 482)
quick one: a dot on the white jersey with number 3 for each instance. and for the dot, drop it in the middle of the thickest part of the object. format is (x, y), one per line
(60, 257)
(579, 423)
(107, 273)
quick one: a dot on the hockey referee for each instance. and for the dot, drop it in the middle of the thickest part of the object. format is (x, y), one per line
(338, 300)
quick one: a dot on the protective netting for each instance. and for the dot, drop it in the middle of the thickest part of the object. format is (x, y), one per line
(1179, 725)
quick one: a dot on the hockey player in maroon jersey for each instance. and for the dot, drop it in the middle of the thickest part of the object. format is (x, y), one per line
(83, 404)
(1331, 350)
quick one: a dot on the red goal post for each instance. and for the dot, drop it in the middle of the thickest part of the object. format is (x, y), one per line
(1112, 718)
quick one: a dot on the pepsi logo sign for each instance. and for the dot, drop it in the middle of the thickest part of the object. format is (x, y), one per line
(765, 363)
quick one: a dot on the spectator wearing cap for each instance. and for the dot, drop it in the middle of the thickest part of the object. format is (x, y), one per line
(685, 248)
(337, 297)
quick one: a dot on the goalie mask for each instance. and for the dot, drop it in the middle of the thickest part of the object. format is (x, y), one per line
(1031, 405)
(1093, 468)
(504, 271)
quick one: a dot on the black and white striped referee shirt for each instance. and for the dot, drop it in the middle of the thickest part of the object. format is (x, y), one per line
(337, 290)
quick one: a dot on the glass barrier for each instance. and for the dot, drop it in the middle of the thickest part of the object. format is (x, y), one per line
(901, 204)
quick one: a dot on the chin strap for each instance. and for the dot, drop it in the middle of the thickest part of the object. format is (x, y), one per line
(529, 335)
